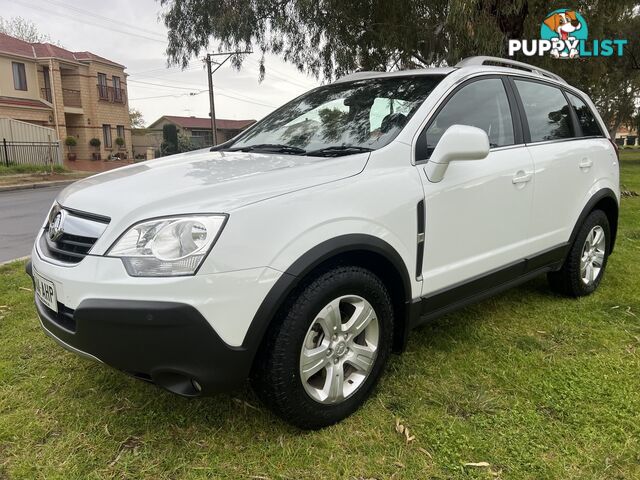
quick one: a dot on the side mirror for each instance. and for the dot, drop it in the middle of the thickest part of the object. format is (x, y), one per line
(459, 142)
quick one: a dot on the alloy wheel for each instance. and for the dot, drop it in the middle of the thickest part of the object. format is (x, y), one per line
(339, 349)
(592, 258)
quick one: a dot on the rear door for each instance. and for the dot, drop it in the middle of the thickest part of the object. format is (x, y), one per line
(566, 158)
(477, 216)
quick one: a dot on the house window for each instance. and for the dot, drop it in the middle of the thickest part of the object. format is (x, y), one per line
(103, 90)
(19, 76)
(202, 138)
(120, 131)
(117, 91)
(106, 134)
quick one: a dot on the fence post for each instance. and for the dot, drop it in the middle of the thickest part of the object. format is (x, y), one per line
(50, 154)
(6, 151)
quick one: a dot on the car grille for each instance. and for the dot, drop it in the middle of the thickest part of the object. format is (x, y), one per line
(78, 233)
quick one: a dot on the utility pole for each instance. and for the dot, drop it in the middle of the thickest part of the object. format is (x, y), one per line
(210, 73)
(212, 108)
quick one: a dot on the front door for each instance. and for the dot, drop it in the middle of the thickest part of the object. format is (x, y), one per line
(477, 216)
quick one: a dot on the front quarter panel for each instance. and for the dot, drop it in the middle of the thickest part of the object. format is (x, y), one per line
(380, 202)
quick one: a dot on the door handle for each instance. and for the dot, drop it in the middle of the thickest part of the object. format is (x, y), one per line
(585, 163)
(521, 177)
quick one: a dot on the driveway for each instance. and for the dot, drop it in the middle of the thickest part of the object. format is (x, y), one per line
(22, 213)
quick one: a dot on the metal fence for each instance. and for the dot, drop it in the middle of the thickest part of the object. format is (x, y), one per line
(30, 153)
(23, 143)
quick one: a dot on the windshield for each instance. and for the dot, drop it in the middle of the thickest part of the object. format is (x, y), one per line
(340, 119)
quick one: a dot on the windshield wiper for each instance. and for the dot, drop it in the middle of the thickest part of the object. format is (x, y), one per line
(338, 150)
(270, 147)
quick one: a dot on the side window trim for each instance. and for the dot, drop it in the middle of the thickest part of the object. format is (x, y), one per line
(516, 115)
(526, 133)
(577, 128)
(593, 114)
(421, 145)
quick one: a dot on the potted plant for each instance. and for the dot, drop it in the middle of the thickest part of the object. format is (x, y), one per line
(95, 143)
(120, 142)
(71, 142)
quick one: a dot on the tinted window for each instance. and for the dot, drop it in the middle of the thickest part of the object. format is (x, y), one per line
(547, 111)
(481, 104)
(365, 113)
(587, 120)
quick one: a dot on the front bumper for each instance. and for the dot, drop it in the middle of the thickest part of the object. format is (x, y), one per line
(139, 328)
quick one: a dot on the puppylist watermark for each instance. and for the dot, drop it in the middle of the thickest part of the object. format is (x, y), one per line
(564, 34)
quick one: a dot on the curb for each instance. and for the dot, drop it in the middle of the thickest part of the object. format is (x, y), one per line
(30, 186)
(19, 259)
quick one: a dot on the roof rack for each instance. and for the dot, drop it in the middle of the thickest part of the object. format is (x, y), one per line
(503, 62)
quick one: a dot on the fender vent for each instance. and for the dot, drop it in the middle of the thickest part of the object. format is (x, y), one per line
(420, 239)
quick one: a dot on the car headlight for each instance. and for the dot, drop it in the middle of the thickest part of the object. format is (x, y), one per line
(167, 247)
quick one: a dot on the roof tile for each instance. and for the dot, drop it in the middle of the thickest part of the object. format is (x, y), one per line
(15, 46)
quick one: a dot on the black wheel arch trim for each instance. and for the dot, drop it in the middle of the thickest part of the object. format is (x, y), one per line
(315, 257)
(588, 208)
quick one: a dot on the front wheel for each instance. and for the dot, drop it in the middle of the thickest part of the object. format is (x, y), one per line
(586, 261)
(325, 354)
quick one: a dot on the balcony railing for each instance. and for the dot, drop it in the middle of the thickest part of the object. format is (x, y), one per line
(46, 94)
(71, 98)
(111, 94)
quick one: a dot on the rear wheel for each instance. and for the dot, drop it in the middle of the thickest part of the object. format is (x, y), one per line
(327, 351)
(586, 261)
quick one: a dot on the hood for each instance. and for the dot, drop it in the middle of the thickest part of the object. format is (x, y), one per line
(203, 181)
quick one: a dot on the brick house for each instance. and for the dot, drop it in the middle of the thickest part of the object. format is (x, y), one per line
(197, 129)
(80, 94)
(627, 136)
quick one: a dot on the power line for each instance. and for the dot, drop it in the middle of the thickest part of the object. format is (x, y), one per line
(178, 95)
(270, 70)
(248, 101)
(167, 71)
(95, 24)
(184, 86)
(160, 84)
(237, 96)
(108, 19)
(162, 96)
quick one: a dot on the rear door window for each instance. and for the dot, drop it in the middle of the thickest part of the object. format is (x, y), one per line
(586, 118)
(547, 111)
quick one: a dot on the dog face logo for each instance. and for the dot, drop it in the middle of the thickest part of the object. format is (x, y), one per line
(565, 28)
(564, 34)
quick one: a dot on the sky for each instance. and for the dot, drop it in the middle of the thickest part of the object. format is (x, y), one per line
(130, 32)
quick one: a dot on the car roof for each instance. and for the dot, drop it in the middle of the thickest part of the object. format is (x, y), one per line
(399, 73)
(471, 64)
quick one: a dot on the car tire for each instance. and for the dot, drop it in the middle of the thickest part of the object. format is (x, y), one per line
(586, 261)
(299, 343)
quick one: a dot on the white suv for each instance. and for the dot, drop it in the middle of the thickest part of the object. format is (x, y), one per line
(303, 251)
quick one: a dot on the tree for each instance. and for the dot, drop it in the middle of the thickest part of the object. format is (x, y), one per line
(185, 144)
(169, 139)
(135, 116)
(25, 30)
(328, 39)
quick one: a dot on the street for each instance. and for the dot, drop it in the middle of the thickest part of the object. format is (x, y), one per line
(22, 213)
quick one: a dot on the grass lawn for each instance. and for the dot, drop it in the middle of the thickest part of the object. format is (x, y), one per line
(21, 169)
(535, 385)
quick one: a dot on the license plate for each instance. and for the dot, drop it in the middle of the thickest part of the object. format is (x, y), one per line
(46, 291)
